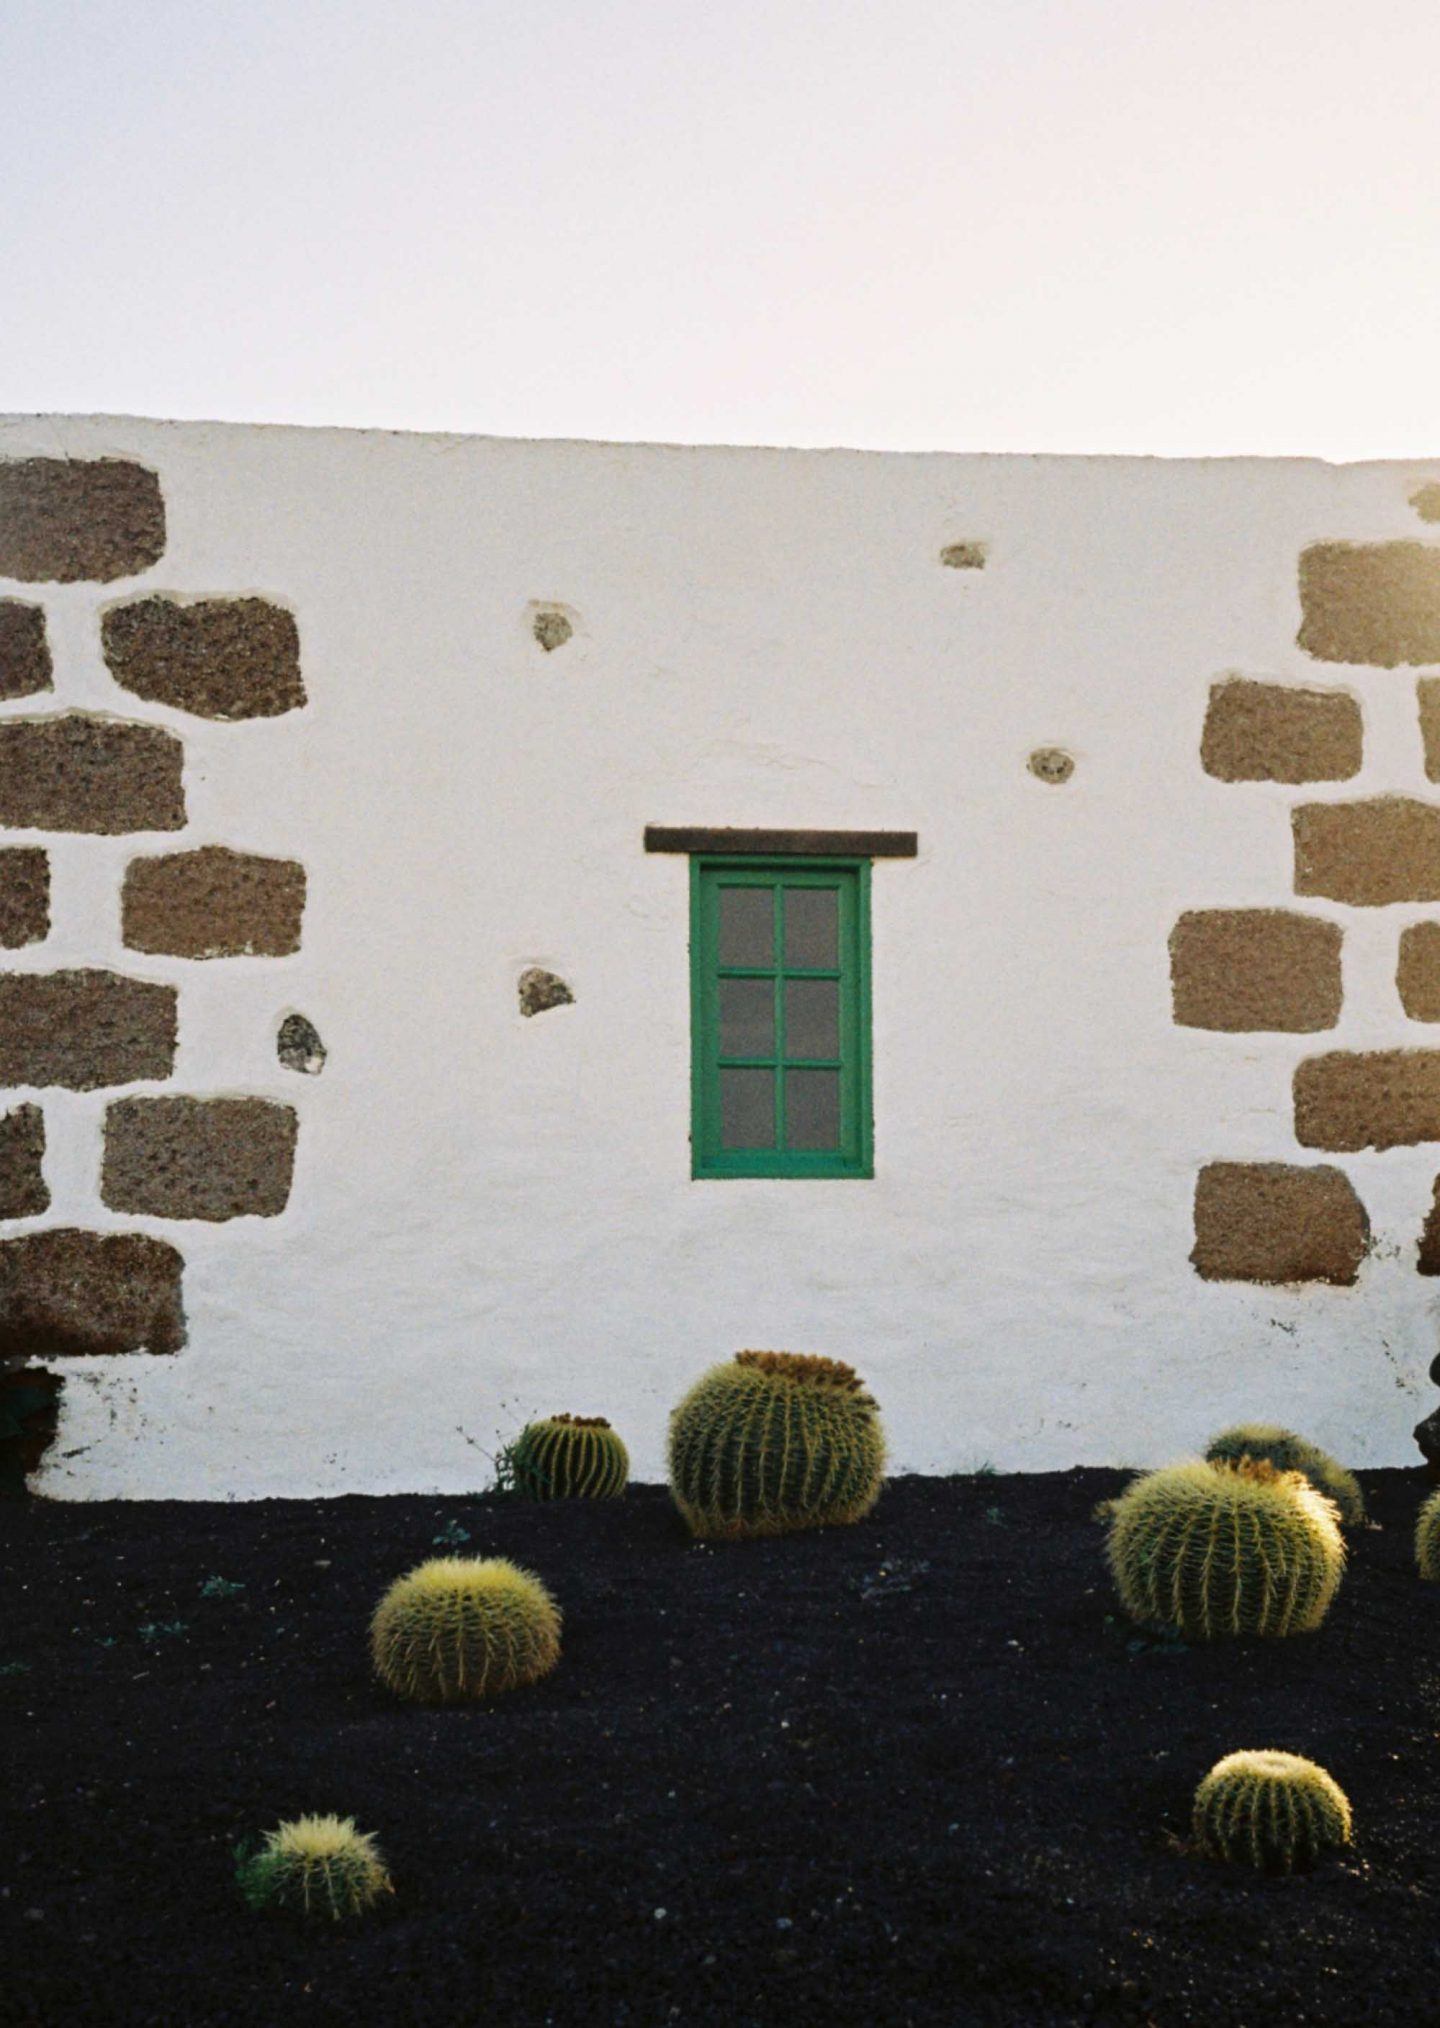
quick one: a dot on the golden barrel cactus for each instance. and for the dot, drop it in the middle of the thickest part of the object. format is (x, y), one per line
(1274, 1811)
(316, 1866)
(569, 1457)
(464, 1627)
(1288, 1452)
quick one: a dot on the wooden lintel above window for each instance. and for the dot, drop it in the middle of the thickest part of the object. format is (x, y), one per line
(807, 844)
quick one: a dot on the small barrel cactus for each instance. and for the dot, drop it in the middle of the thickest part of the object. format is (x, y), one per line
(1276, 1811)
(462, 1626)
(569, 1457)
(1290, 1453)
(1427, 1540)
(773, 1441)
(317, 1866)
(1219, 1550)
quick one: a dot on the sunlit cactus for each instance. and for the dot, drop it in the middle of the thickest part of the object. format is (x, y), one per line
(1220, 1550)
(569, 1457)
(1274, 1811)
(462, 1627)
(316, 1866)
(1427, 1540)
(773, 1441)
(1288, 1452)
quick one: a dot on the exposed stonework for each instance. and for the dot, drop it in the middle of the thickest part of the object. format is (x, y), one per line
(23, 1190)
(213, 903)
(79, 773)
(551, 628)
(25, 667)
(1369, 853)
(1276, 1222)
(1255, 968)
(540, 990)
(67, 1292)
(1418, 973)
(1426, 501)
(24, 896)
(1379, 1098)
(1371, 602)
(29, 1413)
(1427, 692)
(299, 1047)
(1428, 1252)
(84, 1029)
(965, 555)
(67, 519)
(198, 1158)
(1276, 732)
(219, 658)
(1051, 764)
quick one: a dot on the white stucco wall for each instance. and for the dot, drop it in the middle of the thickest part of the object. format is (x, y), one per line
(493, 1217)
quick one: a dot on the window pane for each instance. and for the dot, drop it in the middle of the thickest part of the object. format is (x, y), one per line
(747, 926)
(812, 1017)
(812, 927)
(747, 1108)
(747, 1017)
(812, 1108)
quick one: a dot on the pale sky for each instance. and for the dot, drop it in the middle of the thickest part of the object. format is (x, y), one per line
(1175, 226)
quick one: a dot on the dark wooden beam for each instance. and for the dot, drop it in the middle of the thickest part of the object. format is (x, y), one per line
(810, 844)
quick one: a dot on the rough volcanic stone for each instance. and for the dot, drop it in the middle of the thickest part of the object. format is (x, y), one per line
(213, 903)
(1371, 853)
(965, 555)
(1377, 1098)
(25, 667)
(1276, 732)
(1427, 692)
(1428, 1253)
(79, 773)
(23, 1191)
(1255, 968)
(67, 519)
(551, 628)
(299, 1047)
(1371, 602)
(24, 896)
(198, 1158)
(220, 658)
(1276, 1222)
(87, 1293)
(1418, 974)
(84, 1029)
(29, 1413)
(540, 990)
(1426, 501)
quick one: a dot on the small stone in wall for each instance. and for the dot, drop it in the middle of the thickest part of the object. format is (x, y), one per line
(29, 1413)
(1247, 969)
(86, 1294)
(213, 903)
(24, 896)
(1051, 764)
(1278, 1222)
(23, 1190)
(1428, 1252)
(63, 520)
(81, 773)
(1377, 1098)
(540, 990)
(219, 658)
(1369, 853)
(84, 1029)
(1426, 500)
(1370, 602)
(551, 628)
(1427, 692)
(965, 555)
(1418, 974)
(1277, 732)
(198, 1158)
(299, 1047)
(25, 667)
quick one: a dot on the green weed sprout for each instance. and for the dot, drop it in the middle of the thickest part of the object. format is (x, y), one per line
(569, 1457)
(1288, 1452)
(315, 1866)
(464, 1627)
(1274, 1811)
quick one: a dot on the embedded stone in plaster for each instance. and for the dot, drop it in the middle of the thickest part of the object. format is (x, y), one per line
(1051, 764)
(24, 896)
(551, 627)
(25, 667)
(65, 1292)
(1255, 968)
(213, 903)
(219, 658)
(23, 1190)
(1370, 602)
(1277, 732)
(1426, 501)
(1418, 974)
(1278, 1222)
(63, 520)
(1427, 692)
(299, 1047)
(1428, 1251)
(84, 1029)
(1370, 853)
(1378, 1098)
(540, 990)
(79, 773)
(198, 1158)
(965, 555)
(29, 1413)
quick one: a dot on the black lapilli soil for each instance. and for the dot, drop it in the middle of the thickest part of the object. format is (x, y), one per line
(912, 1771)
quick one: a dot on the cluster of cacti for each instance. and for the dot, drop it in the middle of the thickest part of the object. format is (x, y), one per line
(1427, 1540)
(1275, 1811)
(569, 1457)
(1288, 1452)
(320, 1866)
(1220, 1550)
(774, 1441)
(462, 1627)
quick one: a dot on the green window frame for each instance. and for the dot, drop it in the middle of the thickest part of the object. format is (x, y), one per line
(780, 1017)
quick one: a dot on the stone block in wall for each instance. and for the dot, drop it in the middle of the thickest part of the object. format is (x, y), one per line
(23, 1190)
(78, 773)
(24, 896)
(1428, 1252)
(63, 520)
(84, 1029)
(1377, 1098)
(1382, 850)
(1418, 974)
(220, 658)
(1278, 1222)
(25, 667)
(198, 1158)
(1371, 602)
(68, 1292)
(1276, 732)
(213, 903)
(1427, 692)
(1240, 969)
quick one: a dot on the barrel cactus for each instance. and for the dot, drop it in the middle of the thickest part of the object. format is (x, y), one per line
(1275, 1811)
(464, 1627)
(1427, 1540)
(1290, 1453)
(772, 1441)
(320, 1866)
(569, 1457)
(1218, 1550)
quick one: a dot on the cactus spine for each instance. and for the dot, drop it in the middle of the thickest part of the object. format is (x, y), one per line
(1290, 1453)
(316, 1866)
(1219, 1550)
(773, 1441)
(463, 1627)
(1275, 1811)
(1427, 1540)
(569, 1457)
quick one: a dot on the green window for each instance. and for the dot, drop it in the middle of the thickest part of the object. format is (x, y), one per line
(780, 1012)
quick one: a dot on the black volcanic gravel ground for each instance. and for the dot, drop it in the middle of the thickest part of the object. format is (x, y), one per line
(911, 1771)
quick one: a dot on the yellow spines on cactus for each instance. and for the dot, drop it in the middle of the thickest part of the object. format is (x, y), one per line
(569, 1457)
(464, 1627)
(1427, 1540)
(320, 1866)
(1275, 1811)
(1222, 1550)
(1288, 1452)
(773, 1441)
